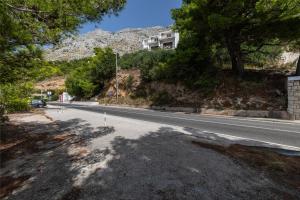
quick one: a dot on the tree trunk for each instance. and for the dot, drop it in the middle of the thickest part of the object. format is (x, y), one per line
(298, 67)
(237, 64)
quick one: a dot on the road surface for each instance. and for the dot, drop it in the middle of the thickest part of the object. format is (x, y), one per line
(277, 132)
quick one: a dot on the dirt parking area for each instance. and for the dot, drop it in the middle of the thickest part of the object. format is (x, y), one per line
(43, 157)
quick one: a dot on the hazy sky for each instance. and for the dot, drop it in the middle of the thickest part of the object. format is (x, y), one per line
(137, 14)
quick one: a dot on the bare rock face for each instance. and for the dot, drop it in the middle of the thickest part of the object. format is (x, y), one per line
(82, 46)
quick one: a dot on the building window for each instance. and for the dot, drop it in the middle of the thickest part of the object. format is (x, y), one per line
(168, 45)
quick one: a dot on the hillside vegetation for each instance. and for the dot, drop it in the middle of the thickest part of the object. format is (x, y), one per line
(153, 78)
(28, 25)
(227, 56)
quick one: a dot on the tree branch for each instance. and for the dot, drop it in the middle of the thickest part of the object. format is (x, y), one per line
(23, 9)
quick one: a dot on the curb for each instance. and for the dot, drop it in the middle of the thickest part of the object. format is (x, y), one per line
(238, 113)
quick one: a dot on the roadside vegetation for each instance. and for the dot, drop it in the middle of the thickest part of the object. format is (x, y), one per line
(26, 26)
(227, 58)
(236, 39)
(246, 37)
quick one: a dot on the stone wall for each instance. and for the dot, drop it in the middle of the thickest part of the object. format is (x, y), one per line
(294, 97)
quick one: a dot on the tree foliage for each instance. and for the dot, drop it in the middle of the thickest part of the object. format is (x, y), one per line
(28, 24)
(240, 26)
(14, 97)
(79, 82)
(151, 63)
(90, 76)
(104, 65)
(40, 22)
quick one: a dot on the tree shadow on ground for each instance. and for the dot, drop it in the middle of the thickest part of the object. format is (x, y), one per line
(36, 162)
(167, 164)
(163, 164)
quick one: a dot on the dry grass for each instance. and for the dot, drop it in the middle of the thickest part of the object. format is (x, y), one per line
(8, 184)
(73, 194)
(281, 168)
(16, 140)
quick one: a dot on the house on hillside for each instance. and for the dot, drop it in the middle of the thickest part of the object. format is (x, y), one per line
(164, 40)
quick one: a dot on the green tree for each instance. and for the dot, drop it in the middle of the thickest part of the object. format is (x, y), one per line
(90, 76)
(104, 65)
(192, 58)
(41, 22)
(19, 66)
(26, 24)
(79, 82)
(149, 62)
(241, 26)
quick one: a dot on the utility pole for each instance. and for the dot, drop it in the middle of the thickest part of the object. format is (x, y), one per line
(117, 84)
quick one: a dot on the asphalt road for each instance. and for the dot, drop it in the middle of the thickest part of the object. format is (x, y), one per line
(271, 131)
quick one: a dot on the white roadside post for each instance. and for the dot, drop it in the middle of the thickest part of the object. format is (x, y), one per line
(105, 119)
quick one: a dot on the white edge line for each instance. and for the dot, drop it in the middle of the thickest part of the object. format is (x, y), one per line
(228, 135)
(256, 127)
(249, 139)
(268, 120)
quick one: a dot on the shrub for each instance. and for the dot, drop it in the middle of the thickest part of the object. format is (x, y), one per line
(88, 78)
(146, 61)
(161, 98)
(15, 98)
(79, 83)
(160, 72)
(129, 83)
(206, 84)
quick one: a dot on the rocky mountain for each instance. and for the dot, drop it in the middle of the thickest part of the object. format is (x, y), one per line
(81, 46)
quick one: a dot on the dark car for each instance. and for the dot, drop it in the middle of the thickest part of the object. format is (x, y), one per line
(38, 103)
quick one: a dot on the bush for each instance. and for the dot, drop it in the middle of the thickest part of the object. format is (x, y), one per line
(149, 62)
(129, 83)
(3, 118)
(15, 98)
(17, 105)
(206, 82)
(160, 72)
(162, 98)
(86, 80)
(79, 83)
(55, 97)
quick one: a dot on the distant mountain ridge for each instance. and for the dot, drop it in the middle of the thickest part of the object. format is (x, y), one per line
(81, 46)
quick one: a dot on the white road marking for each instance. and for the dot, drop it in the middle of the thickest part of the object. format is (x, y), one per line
(289, 147)
(227, 135)
(213, 122)
(267, 120)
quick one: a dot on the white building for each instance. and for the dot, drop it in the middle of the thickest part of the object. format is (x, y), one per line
(65, 97)
(165, 40)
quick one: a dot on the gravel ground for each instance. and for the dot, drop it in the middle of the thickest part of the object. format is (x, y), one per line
(77, 157)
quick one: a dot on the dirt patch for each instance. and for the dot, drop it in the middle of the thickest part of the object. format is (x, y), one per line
(10, 144)
(54, 83)
(52, 153)
(282, 169)
(61, 137)
(79, 153)
(73, 194)
(8, 184)
(16, 140)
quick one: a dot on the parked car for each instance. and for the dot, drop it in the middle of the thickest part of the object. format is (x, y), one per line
(36, 103)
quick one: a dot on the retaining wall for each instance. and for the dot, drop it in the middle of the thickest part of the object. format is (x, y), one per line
(294, 97)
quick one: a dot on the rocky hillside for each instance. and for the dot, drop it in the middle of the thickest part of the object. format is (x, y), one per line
(81, 46)
(54, 83)
(265, 90)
